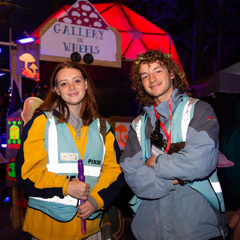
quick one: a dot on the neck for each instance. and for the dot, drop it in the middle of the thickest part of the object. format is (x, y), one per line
(160, 100)
(75, 110)
(164, 97)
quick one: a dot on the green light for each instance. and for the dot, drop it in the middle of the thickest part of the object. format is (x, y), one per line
(14, 141)
(14, 122)
(9, 141)
(19, 141)
(9, 122)
(19, 122)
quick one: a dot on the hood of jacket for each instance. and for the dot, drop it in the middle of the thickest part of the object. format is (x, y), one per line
(163, 108)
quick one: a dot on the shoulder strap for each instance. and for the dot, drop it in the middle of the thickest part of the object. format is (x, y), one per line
(103, 128)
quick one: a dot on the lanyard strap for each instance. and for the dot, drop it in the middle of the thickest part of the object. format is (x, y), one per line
(162, 125)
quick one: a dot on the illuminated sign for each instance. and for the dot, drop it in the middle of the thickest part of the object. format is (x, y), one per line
(14, 125)
(82, 30)
(14, 140)
(14, 131)
(28, 61)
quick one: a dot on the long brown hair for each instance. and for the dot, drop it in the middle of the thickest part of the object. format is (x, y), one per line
(148, 57)
(89, 106)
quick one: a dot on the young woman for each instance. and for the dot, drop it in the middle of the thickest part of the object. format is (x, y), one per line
(64, 129)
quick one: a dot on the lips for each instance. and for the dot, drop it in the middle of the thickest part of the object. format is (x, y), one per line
(73, 94)
(155, 85)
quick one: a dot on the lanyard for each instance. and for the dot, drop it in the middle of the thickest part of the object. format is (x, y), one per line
(162, 125)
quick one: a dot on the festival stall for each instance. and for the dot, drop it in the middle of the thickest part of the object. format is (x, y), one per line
(226, 80)
(222, 90)
(102, 37)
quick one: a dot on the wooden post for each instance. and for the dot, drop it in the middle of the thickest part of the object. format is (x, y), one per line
(16, 219)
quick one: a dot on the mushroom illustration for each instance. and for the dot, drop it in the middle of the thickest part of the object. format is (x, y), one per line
(33, 67)
(121, 129)
(27, 58)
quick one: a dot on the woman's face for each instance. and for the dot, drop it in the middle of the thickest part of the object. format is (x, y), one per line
(71, 86)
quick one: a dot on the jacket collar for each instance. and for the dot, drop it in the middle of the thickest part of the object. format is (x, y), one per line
(163, 108)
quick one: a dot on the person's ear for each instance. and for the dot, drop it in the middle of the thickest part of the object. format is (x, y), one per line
(172, 75)
(86, 86)
(56, 90)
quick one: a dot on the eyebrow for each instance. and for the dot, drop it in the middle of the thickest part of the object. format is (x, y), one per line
(78, 76)
(152, 70)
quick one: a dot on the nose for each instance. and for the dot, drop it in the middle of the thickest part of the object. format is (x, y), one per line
(152, 77)
(71, 85)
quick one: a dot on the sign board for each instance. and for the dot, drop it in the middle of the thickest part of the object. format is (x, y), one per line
(28, 61)
(14, 131)
(82, 30)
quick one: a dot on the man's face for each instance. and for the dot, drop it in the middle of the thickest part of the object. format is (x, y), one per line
(157, 81)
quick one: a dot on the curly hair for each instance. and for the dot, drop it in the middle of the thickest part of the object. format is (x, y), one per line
(149, 57)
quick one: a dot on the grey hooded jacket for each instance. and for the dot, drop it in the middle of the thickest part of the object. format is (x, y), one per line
(174, 212)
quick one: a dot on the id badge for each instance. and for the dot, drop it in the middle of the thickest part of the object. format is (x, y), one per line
(68, 156)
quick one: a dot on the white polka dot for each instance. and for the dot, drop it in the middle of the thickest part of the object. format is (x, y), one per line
(67, 20)
(86, 20)
(75, 13)
(93, 15)
(79, 22)
(84, 13)
(97, 24)
(86, 7)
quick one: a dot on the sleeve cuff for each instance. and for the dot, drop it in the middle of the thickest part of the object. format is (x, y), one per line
(169, 185)
(97, 199)
(65, 186)
(93, 202)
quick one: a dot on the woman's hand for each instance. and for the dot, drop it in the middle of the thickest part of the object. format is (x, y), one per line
(85, 210)
(78, 189)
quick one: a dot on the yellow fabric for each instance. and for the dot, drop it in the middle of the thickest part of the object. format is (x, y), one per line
(40, 225)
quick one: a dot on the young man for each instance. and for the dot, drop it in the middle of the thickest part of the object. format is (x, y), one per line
(170, 157)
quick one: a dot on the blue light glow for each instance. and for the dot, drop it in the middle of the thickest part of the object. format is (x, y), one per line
(4, 140)
(26, 40)
(7, 199)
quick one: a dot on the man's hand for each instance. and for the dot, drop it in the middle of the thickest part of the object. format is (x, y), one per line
(175, 181)
(150, 162)
(78, 189)
(85, 210)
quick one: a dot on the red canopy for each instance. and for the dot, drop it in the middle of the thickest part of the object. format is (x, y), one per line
(137, 34)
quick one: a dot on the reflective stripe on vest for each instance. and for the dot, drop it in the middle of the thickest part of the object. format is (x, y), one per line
(56, 206)
(186, 117)
(217, 187)
(216, 198)
(53, 165)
